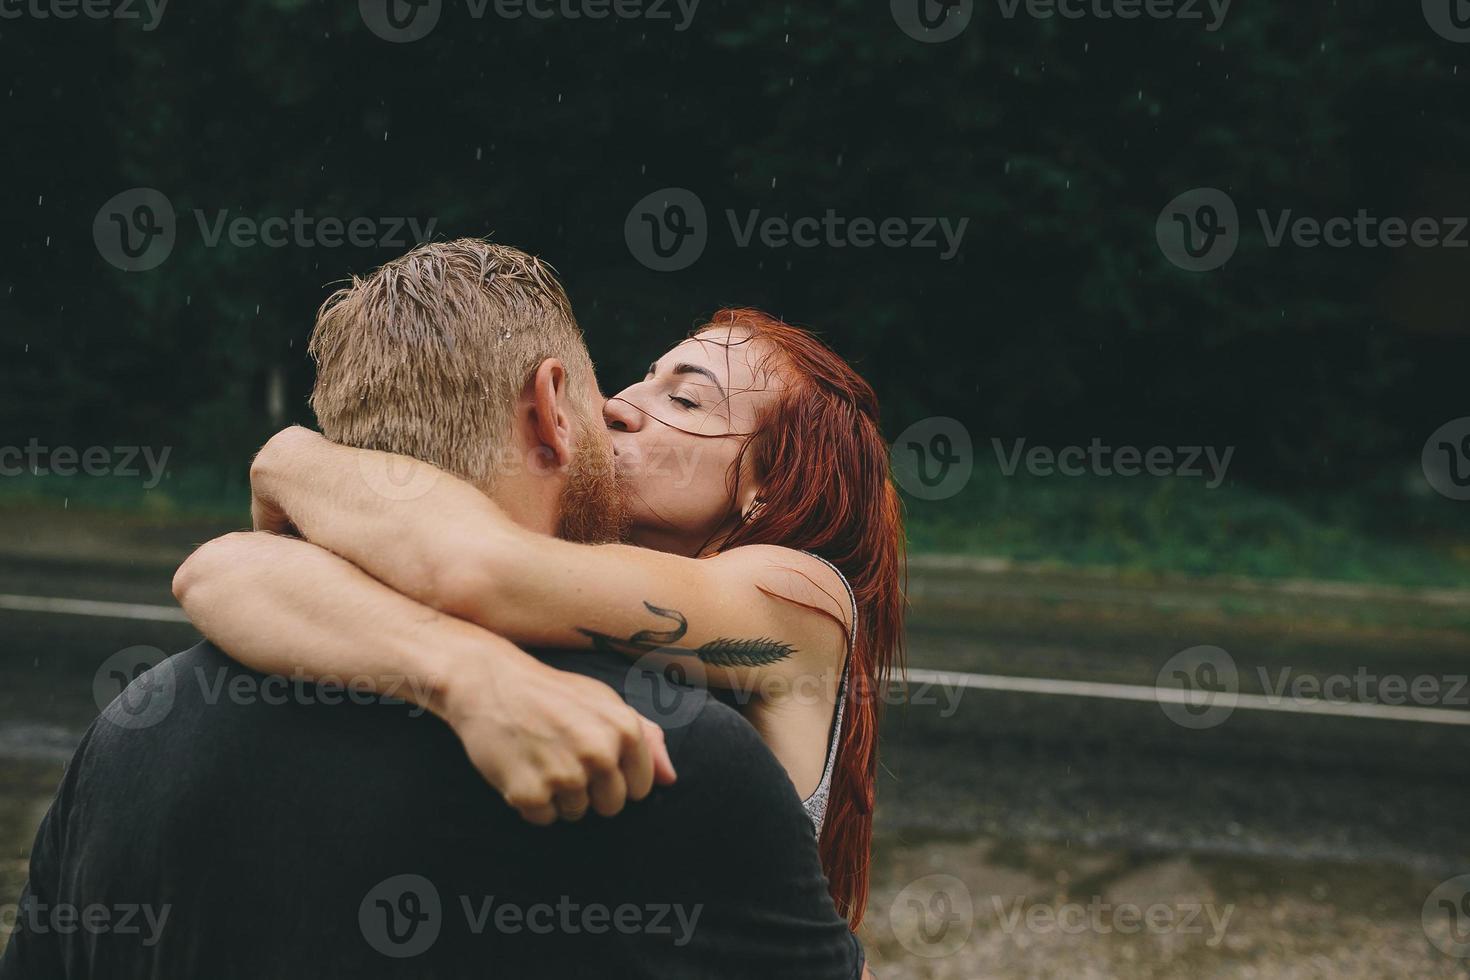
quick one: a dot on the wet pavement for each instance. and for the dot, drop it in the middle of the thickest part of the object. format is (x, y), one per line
(1023, 835)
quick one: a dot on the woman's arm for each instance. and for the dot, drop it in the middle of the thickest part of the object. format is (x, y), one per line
(546, 739)
(744, 615)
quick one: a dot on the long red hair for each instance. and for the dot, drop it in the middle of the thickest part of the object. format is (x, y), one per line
(825, 487)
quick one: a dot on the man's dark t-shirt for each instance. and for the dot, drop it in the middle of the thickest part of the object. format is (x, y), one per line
(213, 824)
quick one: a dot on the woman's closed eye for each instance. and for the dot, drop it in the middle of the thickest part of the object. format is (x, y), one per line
(687, 403)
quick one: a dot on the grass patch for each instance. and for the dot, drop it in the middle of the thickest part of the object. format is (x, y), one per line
(1180, 526)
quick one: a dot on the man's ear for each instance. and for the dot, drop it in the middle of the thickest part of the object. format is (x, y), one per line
(549, 413)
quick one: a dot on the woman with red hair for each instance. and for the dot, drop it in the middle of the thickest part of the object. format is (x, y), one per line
(768, 542)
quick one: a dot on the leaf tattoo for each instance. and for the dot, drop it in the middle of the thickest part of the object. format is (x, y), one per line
(723, 652)
(726, 652)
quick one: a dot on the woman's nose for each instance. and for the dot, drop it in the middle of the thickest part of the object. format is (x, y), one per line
(620, 415)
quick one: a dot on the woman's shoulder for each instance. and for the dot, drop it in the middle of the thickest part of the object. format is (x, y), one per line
(800, 577)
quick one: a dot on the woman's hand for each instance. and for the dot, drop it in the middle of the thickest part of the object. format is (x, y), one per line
(554, 742)
(270, 463)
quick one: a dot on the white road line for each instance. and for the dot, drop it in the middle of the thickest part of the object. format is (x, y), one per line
(983, 682)
(1165, 695)
(92, 607)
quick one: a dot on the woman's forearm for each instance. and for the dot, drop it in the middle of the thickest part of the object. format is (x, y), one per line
(401, 520)
(442, 542)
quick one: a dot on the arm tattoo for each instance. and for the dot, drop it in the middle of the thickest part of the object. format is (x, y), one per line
(723, 652)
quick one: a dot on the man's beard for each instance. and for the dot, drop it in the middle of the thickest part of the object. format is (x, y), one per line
(594, 501)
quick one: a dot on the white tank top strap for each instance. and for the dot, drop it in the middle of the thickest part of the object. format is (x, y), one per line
(816, 804)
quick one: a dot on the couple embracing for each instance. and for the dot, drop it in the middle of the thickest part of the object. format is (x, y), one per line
(621, 660)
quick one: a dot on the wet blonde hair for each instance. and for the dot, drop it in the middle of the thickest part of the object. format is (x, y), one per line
(427, 355)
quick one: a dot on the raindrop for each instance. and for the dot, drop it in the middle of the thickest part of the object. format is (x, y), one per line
(385, 136)
(40, 199)
(479, 152)
(773, 183)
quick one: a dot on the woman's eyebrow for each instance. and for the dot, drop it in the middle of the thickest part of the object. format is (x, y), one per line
(696, 369)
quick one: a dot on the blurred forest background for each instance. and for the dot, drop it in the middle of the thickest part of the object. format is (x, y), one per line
(1059, 321)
